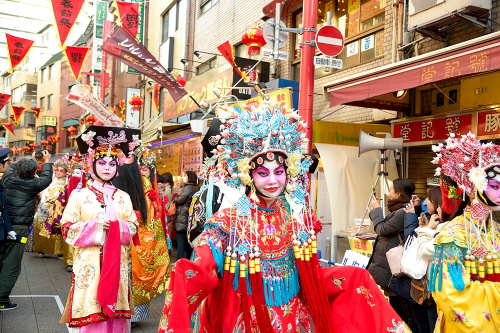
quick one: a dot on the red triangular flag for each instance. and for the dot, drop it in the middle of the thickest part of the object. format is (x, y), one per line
(14, 120)
(4, 98)
(76, 57)
(18, 112)
(9, 127)
(128, 15)
(18, 48)
(65, 14)
(37, 112)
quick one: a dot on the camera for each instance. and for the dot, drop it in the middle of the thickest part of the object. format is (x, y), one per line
(38, 155)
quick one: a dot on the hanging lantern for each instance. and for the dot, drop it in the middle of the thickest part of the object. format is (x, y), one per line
(44, 143)
(26, 149)
(180, 79)
(136, 103)
(14, 150)
(71, 131)
(33, 146)
(91, 119)
(254, 39)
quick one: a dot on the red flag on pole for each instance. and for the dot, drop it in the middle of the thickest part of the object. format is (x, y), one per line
(18, 112)
(11, 117)
(65, 14)
(226, 49)
(17, 48)
(37, 112)
(156, 96)
(127, 14)
(76, 58)
(4, 98)
(9, 127)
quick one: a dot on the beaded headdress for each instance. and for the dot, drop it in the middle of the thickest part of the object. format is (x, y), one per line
(146, 157)
(60, 164)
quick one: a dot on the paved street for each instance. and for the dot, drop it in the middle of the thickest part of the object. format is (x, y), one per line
(41, 292)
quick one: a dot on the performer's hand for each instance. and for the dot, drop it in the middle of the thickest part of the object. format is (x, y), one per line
(106, 225)
(375, 203)
(11, 235)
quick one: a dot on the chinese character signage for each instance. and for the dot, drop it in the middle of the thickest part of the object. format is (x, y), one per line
(4, 98)
(140, 27)
(99, 17)
(65, 14)
(281, 97)
(18, 112)
(127, 14)
(433, 129)
(488, 123)
(17, 48)
(361, 246)
(126, 49)
(49, 121)
(226, 49)
(156, 97)
(76, 57)
(192, 157)
(352, 49)
(49, 130)
(367, 43)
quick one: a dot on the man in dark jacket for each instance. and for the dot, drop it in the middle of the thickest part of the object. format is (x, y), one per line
(6, 231)
(182, 204)
(21, 189)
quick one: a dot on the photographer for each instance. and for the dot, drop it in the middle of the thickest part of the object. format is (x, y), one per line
(6, 231)
(21, 189)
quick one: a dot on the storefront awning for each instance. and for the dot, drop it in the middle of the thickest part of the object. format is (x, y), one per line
(460, 60)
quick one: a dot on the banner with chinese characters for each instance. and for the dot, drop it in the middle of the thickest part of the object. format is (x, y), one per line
(433, 129)
(227, 51)
(127, 15)
(76, 57)
(488, 123)
(101, 11)
(10, 128)
(361, 246)
(4, 99)
(13, 119)
(18, 112)
(156, 97)
(37, 112)
(84, 98)
(65, 14)
(122, 47)
(17, 48)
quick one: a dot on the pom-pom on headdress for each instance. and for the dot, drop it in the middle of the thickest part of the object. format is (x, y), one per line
(111, 142)
(466, 161)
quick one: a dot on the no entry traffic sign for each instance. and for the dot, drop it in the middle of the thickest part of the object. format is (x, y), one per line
(329, 40)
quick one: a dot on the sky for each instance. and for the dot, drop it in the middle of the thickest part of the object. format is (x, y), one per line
(25, 18)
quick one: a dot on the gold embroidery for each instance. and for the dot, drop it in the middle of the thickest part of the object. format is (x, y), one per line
(192, 299)
(366, 292)
(337, 282)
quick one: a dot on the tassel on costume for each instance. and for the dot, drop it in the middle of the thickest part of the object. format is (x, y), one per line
(323, 296)
(261, 312)
(222, 293)
(440, 277)
(432, 278)
(490, 273)
(247, 318)
(481, 270)
(496, 268)
(473, 270)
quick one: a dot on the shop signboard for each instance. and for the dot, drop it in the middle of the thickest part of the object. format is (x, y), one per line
(200, 87)
(192, 155)
(488, 123)
(281, 97)
(48, 130)
(433, 129)
(101, 12)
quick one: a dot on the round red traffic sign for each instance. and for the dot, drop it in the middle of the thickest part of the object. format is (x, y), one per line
(329, 40)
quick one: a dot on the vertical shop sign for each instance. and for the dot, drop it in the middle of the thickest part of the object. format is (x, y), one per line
(132, 118)
(101, 12)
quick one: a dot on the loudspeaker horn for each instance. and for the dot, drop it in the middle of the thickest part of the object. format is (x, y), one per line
(369, 143)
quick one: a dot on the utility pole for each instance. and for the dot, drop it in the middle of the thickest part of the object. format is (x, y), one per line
(306, 88)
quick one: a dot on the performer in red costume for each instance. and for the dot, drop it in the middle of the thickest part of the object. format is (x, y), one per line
(256, 266)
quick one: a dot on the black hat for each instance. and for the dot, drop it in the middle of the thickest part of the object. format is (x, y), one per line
(102, 139)
(4, 155)
(212, 138)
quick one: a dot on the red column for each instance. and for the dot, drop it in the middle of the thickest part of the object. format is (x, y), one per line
(306, 93)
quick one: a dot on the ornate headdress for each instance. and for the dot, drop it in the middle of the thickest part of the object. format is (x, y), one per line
(146, 157)
(60, 164)
(111, 142)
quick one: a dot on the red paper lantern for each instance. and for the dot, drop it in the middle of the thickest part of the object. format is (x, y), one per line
(91, 119)
(26, 149)
(254, 39)
(71, 130)
(44, 143)
(180, 79)
(33, 146)
(136, 103)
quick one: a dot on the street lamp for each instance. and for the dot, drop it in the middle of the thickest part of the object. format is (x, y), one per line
(197, 53)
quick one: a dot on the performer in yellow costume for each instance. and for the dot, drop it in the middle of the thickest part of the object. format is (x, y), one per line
(44, 241)
(465, 273)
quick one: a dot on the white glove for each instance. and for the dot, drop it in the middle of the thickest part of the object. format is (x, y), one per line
(11, 235)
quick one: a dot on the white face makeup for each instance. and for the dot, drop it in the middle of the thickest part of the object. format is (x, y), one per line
(145, 171)
(105, 169)
(76, 173)
(269, 179)
(493, 190)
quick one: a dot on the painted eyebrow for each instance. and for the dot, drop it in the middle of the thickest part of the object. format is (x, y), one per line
(261, 169)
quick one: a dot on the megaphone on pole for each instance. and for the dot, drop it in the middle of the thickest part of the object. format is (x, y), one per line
(368, 143)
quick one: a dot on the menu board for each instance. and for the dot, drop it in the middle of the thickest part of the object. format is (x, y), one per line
(169, 160)
(193, 155)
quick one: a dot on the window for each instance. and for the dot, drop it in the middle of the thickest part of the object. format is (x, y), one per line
(51, 71)
(206, 5)
(45, 74)
(42, 104)
(29, 119)
(357, 15)
(51, 102)
(206, 66)
(363, 49)
(172, 19)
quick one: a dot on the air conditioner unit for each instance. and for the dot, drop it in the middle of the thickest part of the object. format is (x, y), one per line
(425, 12)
